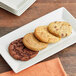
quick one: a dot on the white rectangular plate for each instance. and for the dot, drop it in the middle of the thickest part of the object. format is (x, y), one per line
(16, 7)
(58, 15)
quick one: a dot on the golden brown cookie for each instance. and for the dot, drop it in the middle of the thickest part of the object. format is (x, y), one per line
(32, 43)
(43, 35)
(60, 28)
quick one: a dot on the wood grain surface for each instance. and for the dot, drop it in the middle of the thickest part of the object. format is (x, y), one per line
(9, 22)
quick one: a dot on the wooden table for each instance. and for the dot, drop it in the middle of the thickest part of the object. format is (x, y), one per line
(9, 22)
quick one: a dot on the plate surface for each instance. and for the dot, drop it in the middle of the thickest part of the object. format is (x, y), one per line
(58, 15)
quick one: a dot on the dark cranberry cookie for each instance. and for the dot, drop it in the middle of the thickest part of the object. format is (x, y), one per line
(19, 52)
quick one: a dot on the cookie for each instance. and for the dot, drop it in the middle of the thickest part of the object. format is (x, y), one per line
(43, 35)
(32, 43)
(60, 28)
(19, 52)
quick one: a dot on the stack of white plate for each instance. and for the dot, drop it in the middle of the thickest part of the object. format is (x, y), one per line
(16, 7)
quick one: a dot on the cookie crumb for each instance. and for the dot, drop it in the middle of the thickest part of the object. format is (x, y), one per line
(55, 27)
(55, 21)
(62, 35)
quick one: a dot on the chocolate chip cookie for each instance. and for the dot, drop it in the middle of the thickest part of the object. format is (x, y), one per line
(42, 33)
(60, 28)
(19, 52)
